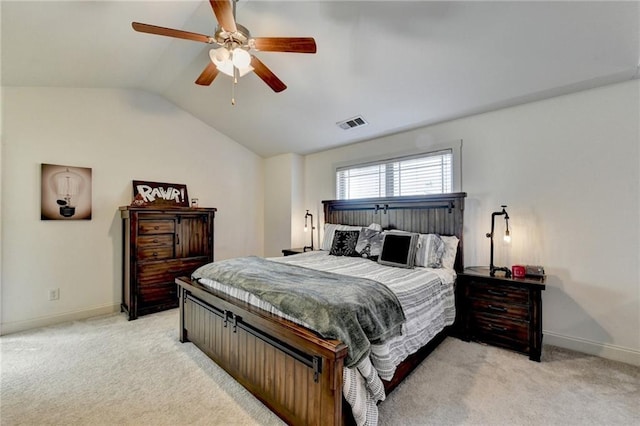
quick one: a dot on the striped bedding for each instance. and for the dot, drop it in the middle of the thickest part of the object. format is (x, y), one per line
(426, 296)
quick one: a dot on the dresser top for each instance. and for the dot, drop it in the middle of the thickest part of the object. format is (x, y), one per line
(168, 209)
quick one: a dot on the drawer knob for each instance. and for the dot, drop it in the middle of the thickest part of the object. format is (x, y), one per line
(155, 253)
(495, 327)
(156, 227)
(497, 308)
(497, 293)
(155, 240)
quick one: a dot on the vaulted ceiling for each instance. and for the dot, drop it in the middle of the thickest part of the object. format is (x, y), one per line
(400, 65)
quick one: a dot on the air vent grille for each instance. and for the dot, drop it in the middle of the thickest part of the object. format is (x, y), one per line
(352, 123)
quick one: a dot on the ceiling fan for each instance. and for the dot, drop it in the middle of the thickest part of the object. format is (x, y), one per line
(232, 57)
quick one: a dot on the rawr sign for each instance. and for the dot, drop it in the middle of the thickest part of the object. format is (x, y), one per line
(159, 194)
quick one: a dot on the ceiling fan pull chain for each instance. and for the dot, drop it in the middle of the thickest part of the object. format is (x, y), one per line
(234, 81)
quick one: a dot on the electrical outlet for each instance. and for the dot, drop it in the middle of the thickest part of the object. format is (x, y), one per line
(54, 294)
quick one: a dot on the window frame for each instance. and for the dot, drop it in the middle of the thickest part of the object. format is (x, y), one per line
(454, 147)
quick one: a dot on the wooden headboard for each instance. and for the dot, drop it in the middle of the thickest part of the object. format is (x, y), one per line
(426, 214)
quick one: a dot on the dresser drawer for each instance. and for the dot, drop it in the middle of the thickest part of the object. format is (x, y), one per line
(158, 293)
(154, 240)
(155, 252)
(500, 308)
(166, 271)
(155, 246)
(498, 293)
(156, 226)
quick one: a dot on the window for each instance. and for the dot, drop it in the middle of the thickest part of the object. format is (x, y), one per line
(422, 174)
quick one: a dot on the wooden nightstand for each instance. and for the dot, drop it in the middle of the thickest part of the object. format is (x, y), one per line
(290, 251)
(501, 311)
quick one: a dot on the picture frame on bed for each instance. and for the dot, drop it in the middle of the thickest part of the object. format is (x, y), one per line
(399, 249)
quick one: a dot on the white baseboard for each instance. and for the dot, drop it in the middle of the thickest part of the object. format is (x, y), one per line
(16, 326)
(603, 350)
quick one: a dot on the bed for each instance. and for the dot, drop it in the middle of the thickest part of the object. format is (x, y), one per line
(294, 371)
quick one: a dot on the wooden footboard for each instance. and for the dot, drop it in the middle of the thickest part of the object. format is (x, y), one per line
(290, 369)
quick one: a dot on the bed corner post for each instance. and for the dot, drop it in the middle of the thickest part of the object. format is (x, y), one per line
(182, 296)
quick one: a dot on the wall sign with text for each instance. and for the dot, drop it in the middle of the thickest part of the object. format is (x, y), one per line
(159, 194)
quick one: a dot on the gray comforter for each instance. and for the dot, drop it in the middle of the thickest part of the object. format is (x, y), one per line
(357, 311)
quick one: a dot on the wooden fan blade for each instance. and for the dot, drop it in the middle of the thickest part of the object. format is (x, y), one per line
(206, 78)
(223, 10)
(169, 32)
(285, 44)
(266, 75)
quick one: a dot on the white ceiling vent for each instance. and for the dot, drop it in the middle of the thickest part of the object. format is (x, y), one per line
(352, 123)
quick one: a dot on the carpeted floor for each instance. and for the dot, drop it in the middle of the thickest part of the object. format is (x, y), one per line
(108, 370)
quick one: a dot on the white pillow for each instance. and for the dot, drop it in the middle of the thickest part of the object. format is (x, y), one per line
(375, 227)
(430, 251)
(331, 228)
(450, 250)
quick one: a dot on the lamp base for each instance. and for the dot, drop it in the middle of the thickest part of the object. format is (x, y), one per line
(494, 269)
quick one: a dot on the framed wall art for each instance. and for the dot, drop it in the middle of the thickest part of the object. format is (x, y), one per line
(65, 192)
(159, 194)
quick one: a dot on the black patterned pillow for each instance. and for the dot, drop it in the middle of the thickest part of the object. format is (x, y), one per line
(369, 243)
(344, 243)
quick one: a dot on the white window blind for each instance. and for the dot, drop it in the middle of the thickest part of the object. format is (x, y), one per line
(422, 174)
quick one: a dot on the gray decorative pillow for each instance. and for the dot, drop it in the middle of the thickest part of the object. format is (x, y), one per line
(369, 243)
(450, 251)
(344, 243)
(430, 251)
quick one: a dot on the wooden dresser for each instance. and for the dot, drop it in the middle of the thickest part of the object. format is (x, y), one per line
(158, 246)
(500, 311)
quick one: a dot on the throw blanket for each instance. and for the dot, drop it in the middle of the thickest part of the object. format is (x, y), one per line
(357, 311)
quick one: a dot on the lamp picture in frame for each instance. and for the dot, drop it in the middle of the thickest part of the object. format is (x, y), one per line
(65, 192)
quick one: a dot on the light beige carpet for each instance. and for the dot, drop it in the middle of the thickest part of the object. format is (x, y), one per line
(108, 370)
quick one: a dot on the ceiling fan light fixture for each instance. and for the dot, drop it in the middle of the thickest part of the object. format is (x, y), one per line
(219, 55)
(221, 59)
(241, 58)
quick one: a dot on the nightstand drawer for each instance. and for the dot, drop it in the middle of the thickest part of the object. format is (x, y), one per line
(509, 333)
(504, 293)
(503, 309)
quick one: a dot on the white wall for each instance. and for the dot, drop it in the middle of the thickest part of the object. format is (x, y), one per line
(121, 135)
(568, 168)
(284, 204)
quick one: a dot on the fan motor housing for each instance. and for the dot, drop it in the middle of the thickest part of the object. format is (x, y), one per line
(241, 36)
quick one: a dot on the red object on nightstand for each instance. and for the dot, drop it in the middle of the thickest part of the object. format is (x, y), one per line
(518, 271)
